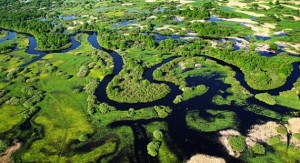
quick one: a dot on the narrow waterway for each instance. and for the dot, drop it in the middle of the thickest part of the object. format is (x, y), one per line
(180, 138)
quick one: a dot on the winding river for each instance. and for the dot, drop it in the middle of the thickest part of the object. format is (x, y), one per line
(181, 140)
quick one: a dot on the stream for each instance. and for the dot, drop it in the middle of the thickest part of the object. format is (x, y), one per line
(182, 140)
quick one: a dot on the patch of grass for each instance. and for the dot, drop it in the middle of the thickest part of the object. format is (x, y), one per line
(238, 143)
(266, 98)
(278, 153)
(215, 120)
(11, 116)
(265, 112)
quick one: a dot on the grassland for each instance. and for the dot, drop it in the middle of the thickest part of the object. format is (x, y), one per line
(52, 108)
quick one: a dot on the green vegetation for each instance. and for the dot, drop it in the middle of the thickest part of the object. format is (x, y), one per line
(259, 149)
(266, 98)
(190, 92)
(153, 148)
(3, 145)
(7, 46)
(216, 120)
(214, 30)
(290, 98)
(265, 112)
(277, 152)
(238, 143)
(3, 34)
(273, 46)
(132, 88)
(54, 106)
(261, 73)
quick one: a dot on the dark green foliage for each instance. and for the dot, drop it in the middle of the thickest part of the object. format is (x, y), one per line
(30, 112)
(7, 46)
(212, 30)
(199, 13)
(273, 46)
(260, 72)
(3, 145)
(238, 143)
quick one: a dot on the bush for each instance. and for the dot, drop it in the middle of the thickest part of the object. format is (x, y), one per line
(105, 108)
(13, 101)
(237, 143)
(83, 138)
(259, 149)
(83, 71)
(274, 140)
(91, 86)
(158, 135)
(162, 111)
(3, 145)
(152, 148)
(273, 46)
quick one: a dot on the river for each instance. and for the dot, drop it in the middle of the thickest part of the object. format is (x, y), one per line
(182, 140)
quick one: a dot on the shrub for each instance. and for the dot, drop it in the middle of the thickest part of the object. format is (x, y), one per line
(237, 143)
(3, 145)
(83, 71)
(162, 111)
(91, 86)
(273, 140)
(83, 138)
(152, 148)
(259, 149)
(158, 135)
(13, 101)
(273, 46)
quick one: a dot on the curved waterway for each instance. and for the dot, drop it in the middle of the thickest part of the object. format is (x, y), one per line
(182, 140)
(31, 48)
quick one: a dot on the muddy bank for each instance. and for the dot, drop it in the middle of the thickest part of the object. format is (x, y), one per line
(6, 156)
(202, 158)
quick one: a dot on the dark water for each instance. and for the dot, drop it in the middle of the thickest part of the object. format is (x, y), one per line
(125, 23)
(10, 36)
(182, 140)
(31, 49)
